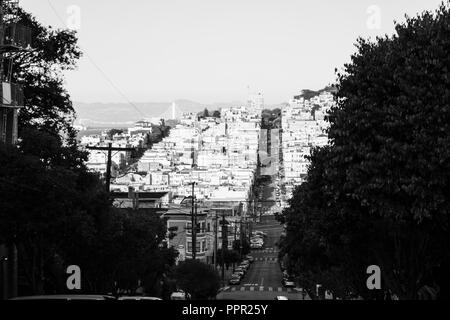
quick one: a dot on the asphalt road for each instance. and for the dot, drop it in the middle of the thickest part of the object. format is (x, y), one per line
(263, 279)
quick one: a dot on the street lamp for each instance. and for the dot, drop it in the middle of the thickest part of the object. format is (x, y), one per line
(4, 275)
(317, 290)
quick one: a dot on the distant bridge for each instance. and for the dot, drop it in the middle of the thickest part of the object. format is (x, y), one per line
(172, 112)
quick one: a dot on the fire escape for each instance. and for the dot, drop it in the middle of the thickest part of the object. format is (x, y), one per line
(14, 38)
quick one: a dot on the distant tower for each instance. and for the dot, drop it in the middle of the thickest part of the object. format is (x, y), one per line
(256, 102)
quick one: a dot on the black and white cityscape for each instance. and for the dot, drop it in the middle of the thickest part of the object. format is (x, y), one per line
(224, 150)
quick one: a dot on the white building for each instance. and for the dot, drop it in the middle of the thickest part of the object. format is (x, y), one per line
(304, 127)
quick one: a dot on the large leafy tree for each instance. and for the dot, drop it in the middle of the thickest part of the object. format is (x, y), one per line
(198, 279)
(40, 71)
(49, 196)
(127, 248)
(46, 204)
(379, 194)
(53, 209)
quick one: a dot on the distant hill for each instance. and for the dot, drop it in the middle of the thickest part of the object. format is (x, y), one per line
(308, 94)
(122, 115)
(118, 114)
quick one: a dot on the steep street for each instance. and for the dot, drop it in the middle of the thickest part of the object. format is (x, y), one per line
(263, 279)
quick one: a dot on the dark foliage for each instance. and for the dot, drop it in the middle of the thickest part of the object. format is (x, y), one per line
(52, 208)
(379, 194)
(198, 279)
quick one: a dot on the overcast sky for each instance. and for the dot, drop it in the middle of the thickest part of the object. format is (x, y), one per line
(211, 50)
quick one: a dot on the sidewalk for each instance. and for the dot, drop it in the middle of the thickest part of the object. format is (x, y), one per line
(227, 276)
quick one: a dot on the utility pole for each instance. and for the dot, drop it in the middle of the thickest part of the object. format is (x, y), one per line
(195, 229)
(4, 275)
(249, 222)
(224, 245)
(234, 242)
(109, 148)
(241, 232)
(215, 242)
(193, 224)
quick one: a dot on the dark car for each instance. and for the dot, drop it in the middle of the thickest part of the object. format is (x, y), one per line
(138, 298)
(245, 263)
(288, 283)
(240, 272)
(241, 268)
(245, 266)
(67, 297)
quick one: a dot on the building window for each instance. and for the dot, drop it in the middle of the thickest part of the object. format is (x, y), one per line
(197, 248)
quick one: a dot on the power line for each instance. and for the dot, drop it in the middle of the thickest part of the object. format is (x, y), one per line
(114, 86)
(101, 71)
(109, 148)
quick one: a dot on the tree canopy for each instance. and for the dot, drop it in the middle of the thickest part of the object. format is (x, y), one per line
(206, 113)
(379, 193)
(41, 73)
(198, 279)
(271, 119)
(54, 210)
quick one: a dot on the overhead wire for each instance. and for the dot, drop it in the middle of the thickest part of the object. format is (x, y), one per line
(116, 88)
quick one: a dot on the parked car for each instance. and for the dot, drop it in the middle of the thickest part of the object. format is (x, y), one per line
(250, 258)
(67, 297)
(245, 263)
(180, 295)
(281, 298)
(240, 268)
(244, 266)
(256, 246)
(288, 283)
(241, 273)
(234, 280)
(138, 298)
(262, 233)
